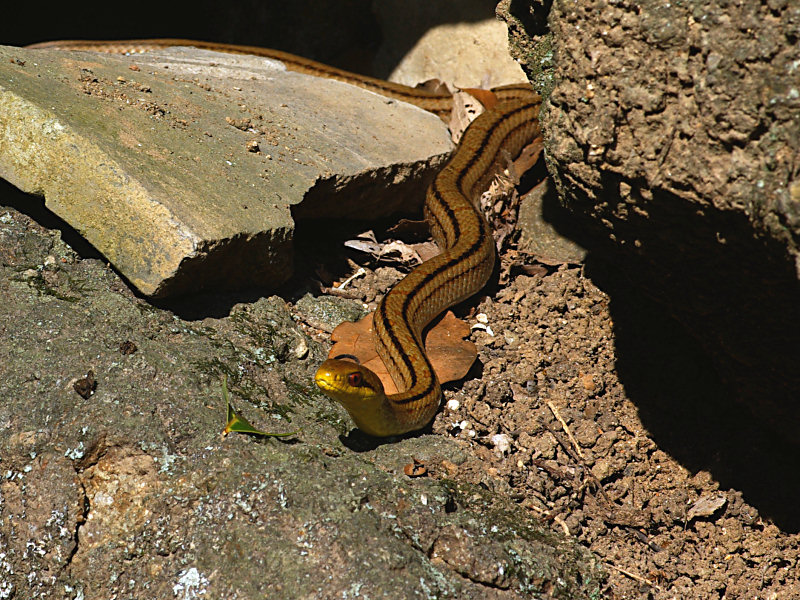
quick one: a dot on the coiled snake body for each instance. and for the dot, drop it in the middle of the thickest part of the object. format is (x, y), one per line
(460, 231)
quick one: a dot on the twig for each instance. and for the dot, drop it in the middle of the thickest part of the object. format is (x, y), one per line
(566, 428)
(358, 273)
(638, 578)
(564, 526)
(549, 515)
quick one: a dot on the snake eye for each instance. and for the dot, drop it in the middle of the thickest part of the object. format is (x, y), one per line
(355, 379)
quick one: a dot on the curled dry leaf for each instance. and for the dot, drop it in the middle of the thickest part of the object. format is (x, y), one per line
(450, 354)
(397, 251)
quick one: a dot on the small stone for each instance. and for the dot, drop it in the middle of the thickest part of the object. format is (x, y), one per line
(602, 469)
(85, 386)
(301, 350)
(127, 348)
(501, 442)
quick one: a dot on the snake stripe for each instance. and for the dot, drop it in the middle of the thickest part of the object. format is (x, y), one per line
(460, 270)
(457, 266)
(386, 328)
(437, 209)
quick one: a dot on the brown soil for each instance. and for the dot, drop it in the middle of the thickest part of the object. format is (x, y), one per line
(606, 421)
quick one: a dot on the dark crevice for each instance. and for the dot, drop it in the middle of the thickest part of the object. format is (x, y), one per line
(35, 208)
(532, 15)
(759, 131)
(95, 451)
(79, 522)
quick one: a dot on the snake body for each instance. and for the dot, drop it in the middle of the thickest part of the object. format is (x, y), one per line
(465, 238)
(460, 270)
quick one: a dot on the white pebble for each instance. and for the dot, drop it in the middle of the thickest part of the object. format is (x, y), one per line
(301, 350)
(453, 404)
(483, 327)
(501, 442)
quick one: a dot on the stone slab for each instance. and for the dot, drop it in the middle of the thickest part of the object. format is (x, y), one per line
(462, 44)
(133, 493)
(183, 167)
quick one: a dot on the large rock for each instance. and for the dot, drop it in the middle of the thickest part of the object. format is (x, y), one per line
(672, 132)
(460, 43)
(131, 492)
(184, 167)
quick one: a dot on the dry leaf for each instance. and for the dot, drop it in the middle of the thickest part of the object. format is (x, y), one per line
(395, 251)
(528, 157)
(426, 250)
(450, 354)
(466, 109)
(706, 506)
(404, 253)
(486, 97)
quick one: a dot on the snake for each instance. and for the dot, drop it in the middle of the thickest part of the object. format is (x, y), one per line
(463, 235)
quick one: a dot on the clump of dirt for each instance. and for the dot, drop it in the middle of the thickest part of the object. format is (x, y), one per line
(547, 418)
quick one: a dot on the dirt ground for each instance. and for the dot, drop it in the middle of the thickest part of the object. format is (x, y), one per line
(602, 417)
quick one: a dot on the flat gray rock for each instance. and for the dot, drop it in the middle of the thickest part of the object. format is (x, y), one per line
(125, 489)
(184, 167)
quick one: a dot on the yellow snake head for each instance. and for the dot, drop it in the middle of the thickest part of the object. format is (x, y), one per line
(360, 392)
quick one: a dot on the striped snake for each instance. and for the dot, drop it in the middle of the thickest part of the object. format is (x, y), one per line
(459, 271)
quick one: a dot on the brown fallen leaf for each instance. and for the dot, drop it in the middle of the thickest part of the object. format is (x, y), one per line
(486, 97)
(528, 157)
(450, 354)
(466, 109)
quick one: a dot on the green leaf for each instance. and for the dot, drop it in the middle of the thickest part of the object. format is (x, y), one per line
(237, 424)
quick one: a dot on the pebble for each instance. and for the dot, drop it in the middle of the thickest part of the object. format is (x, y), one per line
(501, 442)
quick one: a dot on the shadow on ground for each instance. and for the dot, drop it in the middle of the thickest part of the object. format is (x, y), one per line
(706, 421)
